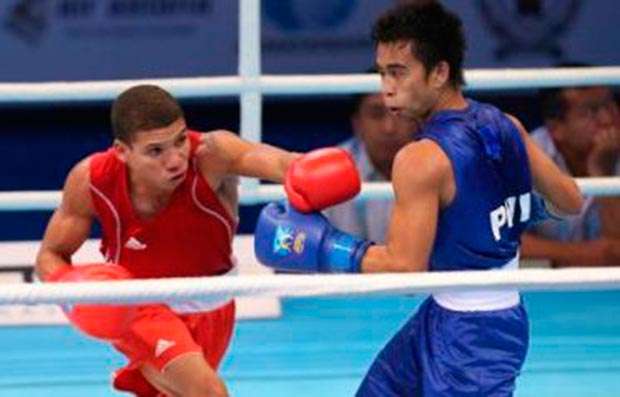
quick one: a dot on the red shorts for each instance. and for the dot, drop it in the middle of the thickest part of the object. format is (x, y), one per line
(158, 335)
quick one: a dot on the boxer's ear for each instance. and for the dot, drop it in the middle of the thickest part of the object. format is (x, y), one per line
(121, 149)
(439, 75)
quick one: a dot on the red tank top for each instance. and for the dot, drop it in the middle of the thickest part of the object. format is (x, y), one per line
(191, 237)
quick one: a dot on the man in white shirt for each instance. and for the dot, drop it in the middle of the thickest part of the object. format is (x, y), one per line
(378, 136)
(582, 136)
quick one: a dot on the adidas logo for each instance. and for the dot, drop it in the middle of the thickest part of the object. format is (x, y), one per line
(135, 244)
(163, 345)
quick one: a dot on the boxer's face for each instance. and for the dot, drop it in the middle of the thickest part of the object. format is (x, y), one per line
(158, 158)
(408, 89)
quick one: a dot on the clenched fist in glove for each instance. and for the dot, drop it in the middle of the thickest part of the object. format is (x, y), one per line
(321, 178)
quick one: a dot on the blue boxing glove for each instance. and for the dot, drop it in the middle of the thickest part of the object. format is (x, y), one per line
(286, 239)
(539, 210)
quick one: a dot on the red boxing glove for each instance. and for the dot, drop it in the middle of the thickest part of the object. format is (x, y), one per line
(107, 322)
(321, 178)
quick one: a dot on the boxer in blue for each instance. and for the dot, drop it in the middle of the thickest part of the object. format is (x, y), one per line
(464, 193)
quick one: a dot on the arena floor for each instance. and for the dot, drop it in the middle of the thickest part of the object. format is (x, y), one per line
(321, 347)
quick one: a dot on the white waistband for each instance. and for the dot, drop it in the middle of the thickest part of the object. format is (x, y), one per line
(196, 306)
(473, 301)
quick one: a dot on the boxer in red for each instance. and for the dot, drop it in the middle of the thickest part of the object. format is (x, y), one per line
(166, 200)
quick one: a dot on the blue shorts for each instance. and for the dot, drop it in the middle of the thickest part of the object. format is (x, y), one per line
(440, 352)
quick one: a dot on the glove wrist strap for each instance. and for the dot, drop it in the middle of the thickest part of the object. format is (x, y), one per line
(344, 253)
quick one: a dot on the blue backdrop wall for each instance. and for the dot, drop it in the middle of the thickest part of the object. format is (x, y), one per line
(44, 40)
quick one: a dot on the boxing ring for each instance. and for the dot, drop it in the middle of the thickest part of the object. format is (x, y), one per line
(331, 326)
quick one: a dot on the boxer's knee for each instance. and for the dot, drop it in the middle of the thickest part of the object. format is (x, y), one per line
(192, 376)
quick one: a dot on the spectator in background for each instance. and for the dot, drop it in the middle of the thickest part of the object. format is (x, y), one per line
(581, 133)
(378, 136)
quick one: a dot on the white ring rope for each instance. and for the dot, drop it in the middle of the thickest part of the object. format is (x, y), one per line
(48, 200)
(200, 87)
(210, 289)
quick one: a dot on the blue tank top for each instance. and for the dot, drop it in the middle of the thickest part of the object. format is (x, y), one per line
(482, 226)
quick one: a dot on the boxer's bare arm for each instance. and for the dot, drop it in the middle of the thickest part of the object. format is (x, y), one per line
(222, 154)
(70, 224)
(557, 187)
